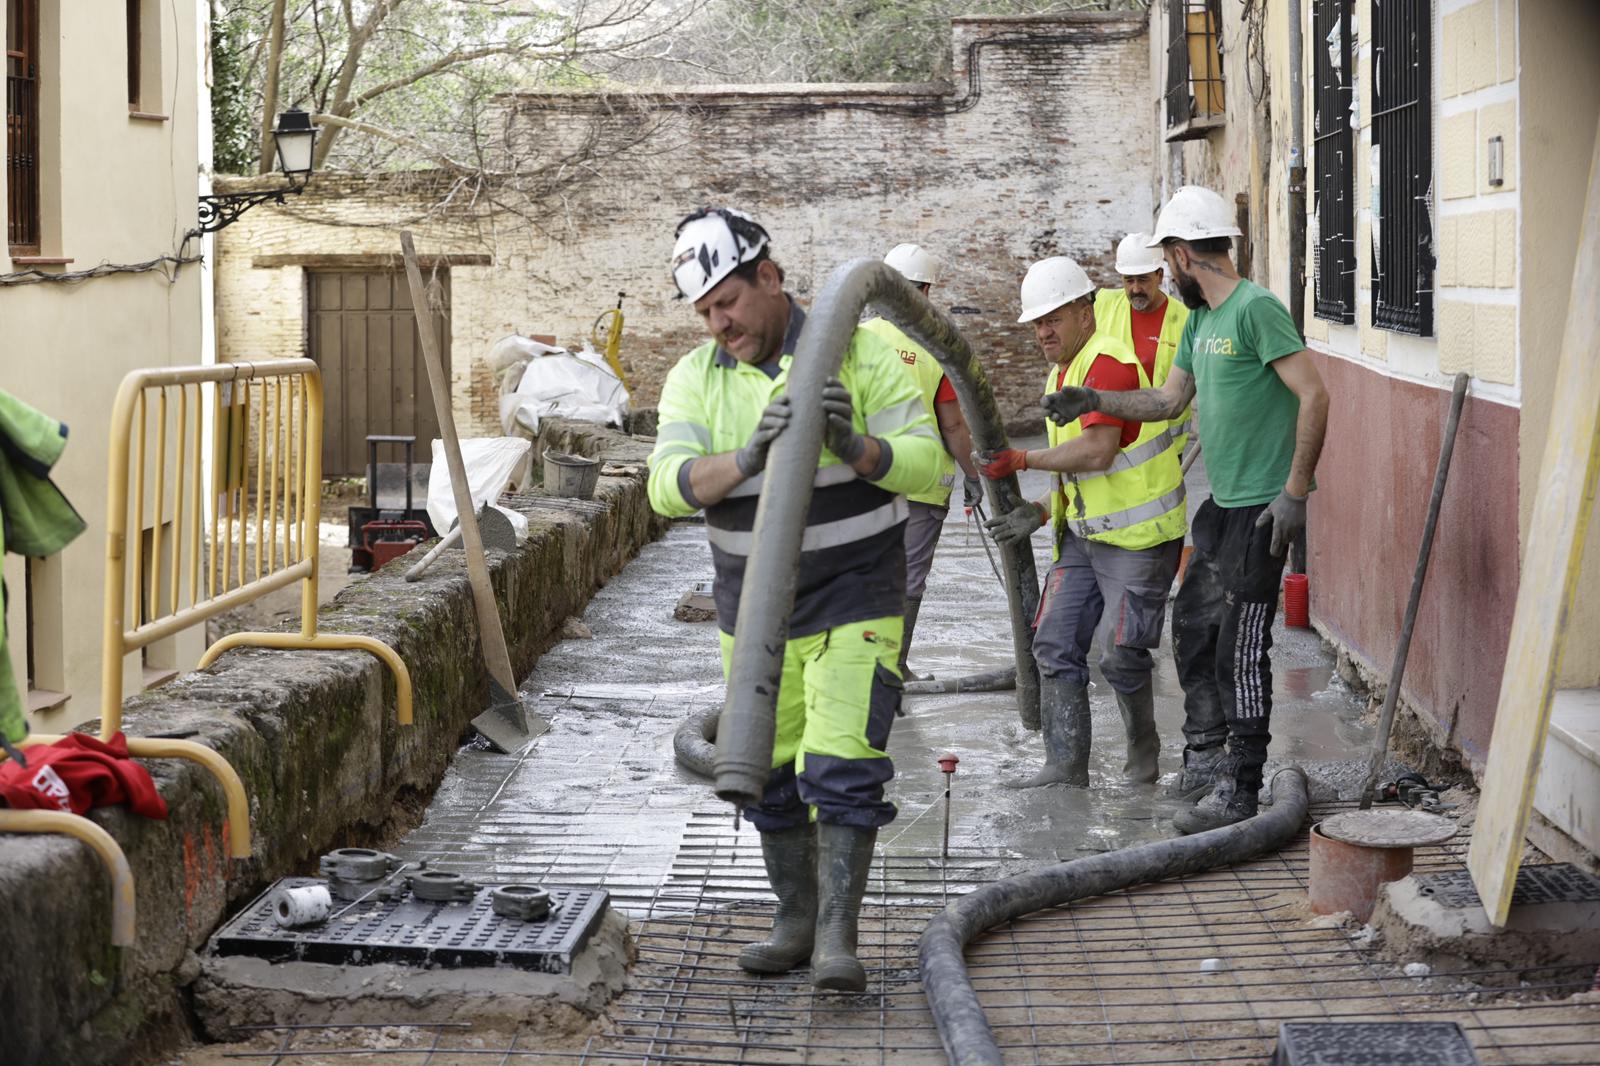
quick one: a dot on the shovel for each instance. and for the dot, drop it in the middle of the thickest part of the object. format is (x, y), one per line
(505, 724)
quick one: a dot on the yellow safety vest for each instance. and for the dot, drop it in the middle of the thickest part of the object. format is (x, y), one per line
(925, 373)
(1138, 502)
(1114, 315)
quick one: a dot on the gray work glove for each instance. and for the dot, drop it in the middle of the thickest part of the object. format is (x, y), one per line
(839, 434)
(752, 458)
(971, 492)
(1070, 403)
(1287, 515)
(1016, 525)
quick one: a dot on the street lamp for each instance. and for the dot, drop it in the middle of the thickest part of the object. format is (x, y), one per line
(296, 140)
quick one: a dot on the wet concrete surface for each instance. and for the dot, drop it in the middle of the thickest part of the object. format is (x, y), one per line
(599, 800)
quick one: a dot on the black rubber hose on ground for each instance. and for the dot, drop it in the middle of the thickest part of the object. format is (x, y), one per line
(963, 1028)
(1002, 680)
(695, 743)
(745, 732)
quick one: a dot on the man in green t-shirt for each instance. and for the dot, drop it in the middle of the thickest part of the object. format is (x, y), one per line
(1263, 410)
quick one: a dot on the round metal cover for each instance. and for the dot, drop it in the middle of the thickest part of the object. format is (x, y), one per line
(1388, 829)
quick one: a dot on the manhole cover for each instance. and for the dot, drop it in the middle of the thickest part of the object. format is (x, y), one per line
(419, 933)
(1373, 1044)
(1555, 883)
(1388, 828)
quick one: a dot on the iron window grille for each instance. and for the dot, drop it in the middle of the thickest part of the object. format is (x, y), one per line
(1333, 136)
(22, 126)
(1194, 68)
(1402, 142)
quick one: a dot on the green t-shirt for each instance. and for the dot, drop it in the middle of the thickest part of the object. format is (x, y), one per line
(1247, 413)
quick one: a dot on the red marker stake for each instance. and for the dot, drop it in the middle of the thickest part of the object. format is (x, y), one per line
(947, 765)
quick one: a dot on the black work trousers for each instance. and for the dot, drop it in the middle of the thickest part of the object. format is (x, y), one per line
(1222, 633)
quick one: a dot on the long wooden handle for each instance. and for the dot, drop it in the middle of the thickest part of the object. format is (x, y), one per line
(494, 637)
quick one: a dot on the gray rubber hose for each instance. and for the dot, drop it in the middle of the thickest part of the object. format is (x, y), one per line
(745, 731)
(963, 1028)
(694, 743)
(1002, 680)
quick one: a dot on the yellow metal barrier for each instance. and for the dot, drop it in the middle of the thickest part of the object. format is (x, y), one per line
(263, 533)
(122, 902)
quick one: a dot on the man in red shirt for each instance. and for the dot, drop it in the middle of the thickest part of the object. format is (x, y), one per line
(1118, 534)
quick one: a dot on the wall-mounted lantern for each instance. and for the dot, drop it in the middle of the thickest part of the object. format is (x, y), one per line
(296, 139)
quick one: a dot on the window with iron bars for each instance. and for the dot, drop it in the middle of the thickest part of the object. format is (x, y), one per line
(22, 126)
(1335, 75)
(1402, 147)
(1194, 68)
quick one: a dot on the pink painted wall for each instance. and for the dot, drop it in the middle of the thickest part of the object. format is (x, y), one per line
(1366, 519)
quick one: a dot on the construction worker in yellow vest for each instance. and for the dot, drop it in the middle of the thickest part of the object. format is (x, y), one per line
(1141, 315)
(928, 509)
(1116, 512)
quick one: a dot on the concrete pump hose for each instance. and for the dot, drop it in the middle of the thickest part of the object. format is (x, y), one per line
(694, 743)
(1002, 680)
(745, 730)
(963, 1028)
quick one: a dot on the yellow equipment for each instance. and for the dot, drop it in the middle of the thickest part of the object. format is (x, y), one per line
(613, 342)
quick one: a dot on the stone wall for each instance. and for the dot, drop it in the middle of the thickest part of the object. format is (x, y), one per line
(314, 737)
(1038, 146)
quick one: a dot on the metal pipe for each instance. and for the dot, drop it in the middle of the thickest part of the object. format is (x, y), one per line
(745, 732)
(1391, 695)
(1297, 167)
(110, 852)
(959, 1017)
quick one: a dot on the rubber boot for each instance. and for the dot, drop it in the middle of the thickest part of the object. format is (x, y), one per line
(1227, 804)
(844, 857)
(1064, 715)
(791, 858)
(913, 608)
(1199, 773)
(1144, 746)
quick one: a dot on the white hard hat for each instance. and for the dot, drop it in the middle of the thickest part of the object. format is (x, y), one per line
(711, 243)
(1136, 256)
(914, 263)
(1051, 283)
(1193, 214)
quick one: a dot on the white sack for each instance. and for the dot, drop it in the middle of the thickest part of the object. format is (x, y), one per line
(554, 383)
(491, 463)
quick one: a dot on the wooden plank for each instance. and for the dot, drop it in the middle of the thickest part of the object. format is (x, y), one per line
(1567, 475)
(353, 329)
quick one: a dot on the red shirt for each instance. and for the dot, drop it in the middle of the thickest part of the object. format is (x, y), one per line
(1147, 336)
(946, 392)
(1107, 374)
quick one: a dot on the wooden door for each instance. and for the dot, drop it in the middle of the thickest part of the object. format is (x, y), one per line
(362, 333)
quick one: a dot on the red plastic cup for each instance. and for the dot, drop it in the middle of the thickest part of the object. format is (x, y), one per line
(1296, 601)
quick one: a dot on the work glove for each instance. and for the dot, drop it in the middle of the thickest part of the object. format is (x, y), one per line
(1070, 403)
(971, 492)
(839, 434)
(752, 458)
(1287, 516)
(1016, 525)
(1003, 463)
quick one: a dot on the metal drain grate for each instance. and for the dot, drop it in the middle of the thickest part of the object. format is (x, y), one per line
(1373, 1044)
(416, 932)
(1555, 883)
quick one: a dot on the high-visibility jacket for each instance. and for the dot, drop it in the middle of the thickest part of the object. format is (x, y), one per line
(926, 374)
(1138, 502)
(852, 554)
(1114, 315)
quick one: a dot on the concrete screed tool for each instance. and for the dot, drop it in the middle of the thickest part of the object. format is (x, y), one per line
(505, 724)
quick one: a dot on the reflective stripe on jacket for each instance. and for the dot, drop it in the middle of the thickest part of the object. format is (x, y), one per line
(1136, 503)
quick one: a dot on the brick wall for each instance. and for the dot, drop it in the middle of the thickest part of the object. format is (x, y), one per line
(1038, 147)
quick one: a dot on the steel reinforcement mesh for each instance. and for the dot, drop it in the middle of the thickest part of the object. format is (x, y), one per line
(1120, 978)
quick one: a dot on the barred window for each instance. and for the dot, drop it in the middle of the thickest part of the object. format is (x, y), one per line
(22, 126)
(1194, 68)
(1402, 149)
(1335, 171)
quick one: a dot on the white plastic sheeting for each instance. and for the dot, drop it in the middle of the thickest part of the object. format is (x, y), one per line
(537, 381)
(492, 463)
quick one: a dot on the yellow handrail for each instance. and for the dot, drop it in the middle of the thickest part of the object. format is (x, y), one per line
(104, 845)
(282, 511)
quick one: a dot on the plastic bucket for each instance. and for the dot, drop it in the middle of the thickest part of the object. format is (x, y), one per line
(570, 475)
(1296, 601)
